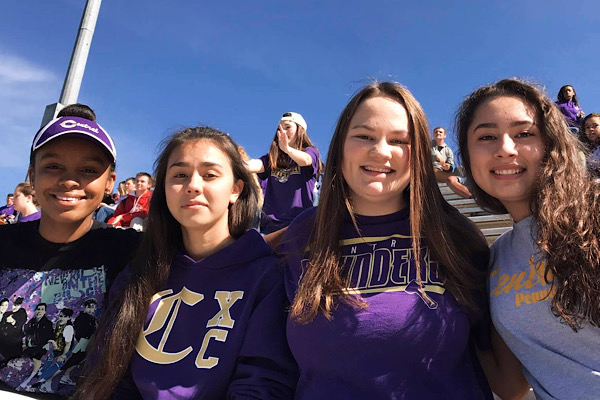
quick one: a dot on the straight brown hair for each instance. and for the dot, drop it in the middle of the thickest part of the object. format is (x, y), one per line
(453, 239)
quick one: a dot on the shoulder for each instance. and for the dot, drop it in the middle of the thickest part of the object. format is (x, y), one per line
(313, 151)
(299, 230)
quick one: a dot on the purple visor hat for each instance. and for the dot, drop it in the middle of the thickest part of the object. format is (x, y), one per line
(74, 126)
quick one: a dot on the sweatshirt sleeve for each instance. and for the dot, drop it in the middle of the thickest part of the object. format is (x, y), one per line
(265, 367)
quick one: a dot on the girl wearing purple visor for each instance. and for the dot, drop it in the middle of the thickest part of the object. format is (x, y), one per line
(64, 260)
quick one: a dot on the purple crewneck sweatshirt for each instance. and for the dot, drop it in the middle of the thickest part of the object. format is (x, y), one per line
(399, 347)
(217, 330)
(288, 191)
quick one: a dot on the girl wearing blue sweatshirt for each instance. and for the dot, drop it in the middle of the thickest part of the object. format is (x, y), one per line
(201, 314)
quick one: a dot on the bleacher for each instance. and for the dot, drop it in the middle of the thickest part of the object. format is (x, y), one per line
(491, 225)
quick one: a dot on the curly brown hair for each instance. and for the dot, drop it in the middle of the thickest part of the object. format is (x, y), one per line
(565, 203)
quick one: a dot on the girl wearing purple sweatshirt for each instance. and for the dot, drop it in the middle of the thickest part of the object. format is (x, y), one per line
(201, 309)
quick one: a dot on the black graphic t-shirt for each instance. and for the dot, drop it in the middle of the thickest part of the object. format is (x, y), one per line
(51, 296)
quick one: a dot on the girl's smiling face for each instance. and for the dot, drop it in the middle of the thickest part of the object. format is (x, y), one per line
(592, 129)
(70, 176)
(376, 157)
(506, 149)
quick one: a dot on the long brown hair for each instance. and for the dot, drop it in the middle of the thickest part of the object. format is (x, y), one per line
(565, 205)
(452, 238)
(278, 159)
(123, 321)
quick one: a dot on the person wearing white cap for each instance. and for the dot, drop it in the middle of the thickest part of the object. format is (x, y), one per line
(290, 169)
(65, 257)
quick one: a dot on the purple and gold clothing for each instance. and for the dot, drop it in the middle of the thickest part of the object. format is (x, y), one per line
(60, 275)
(31, 217)
(288, 191)
(401, 346)
(217, 330)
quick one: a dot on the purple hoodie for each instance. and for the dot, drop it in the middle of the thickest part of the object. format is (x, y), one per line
(217, 330)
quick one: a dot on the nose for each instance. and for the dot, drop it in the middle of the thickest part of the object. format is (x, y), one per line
(69, 181)
(381, 149)
(506, 147)
(195, 183)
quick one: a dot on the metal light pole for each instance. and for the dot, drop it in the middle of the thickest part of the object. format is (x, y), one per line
(72, 84)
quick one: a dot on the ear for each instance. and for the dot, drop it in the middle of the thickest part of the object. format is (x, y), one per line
(31, 175)
(237, 189)
(110, 183)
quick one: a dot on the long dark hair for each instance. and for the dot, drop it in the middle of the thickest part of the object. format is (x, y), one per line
(566, 202)
(278, 159)
(452, 238)
(562, 98)
(149, 270)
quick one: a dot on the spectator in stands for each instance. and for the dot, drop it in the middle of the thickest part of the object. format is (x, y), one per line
(591, 129)
(132, 211)
(65, 252)
(198, 245)
(26, 203)
(130, 185)
(544, 273)
(7, 212)
(443, 163)
(364, 268)
(569, 106)
(291, 169)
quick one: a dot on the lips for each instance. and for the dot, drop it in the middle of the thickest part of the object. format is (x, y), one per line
(195, 204)
(513, 171)
(67, 198)
(382, 170)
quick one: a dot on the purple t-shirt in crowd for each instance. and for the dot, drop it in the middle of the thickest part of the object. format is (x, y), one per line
(400, 347)
(31, 217)
(7, 210)
(289, 191)
(570, 111)
(217, 330)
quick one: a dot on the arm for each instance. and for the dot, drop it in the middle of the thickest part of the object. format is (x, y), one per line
(117, 215)
(449, 160)
(300, 157)
(503, 370)
(265, 366)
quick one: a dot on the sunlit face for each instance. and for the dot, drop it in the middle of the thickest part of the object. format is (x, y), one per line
(129, 186)
(21, 201)
(40, 311)
(376, 157)
(569, 93)
(10, 200)
(506, 149)
(200, 186)
(71, 176)
(592, 129)
(142, 184)
(291, 130)
(439, 135)
(3, 307)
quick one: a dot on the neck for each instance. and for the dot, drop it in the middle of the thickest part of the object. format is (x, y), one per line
(201, 243)
(518, 211)
(30, 209)
(64, 232)
(140, 194)
(439, 143)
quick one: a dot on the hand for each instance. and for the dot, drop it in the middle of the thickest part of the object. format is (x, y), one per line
(11, 320)
(61, 358)
(581, 114)
(440, 158)
(282, 139)
(117, 220)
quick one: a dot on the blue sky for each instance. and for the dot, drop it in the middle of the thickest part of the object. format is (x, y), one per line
(156, 66)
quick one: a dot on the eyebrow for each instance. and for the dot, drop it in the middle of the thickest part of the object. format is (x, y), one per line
(186, 164)
(494, 125)
(55, 155)
(372, 129)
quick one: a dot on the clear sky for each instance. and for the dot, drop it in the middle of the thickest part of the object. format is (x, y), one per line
(159, 65)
